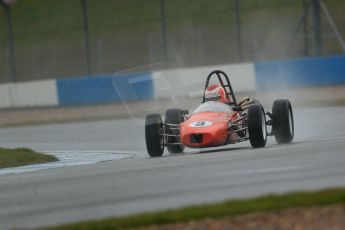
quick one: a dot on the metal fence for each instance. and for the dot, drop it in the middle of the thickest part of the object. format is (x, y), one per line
(69, 38)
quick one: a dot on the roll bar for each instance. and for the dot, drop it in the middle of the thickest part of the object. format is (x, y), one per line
(227, 86)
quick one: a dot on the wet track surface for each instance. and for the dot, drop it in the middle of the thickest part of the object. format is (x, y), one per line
(315, 160)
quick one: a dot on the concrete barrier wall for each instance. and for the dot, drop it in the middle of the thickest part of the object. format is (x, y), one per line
(184, 82)
(5, 98)
(105, 89)
(38, 93)
(303, 72)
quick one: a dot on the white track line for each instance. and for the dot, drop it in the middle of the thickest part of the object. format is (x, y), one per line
(70, 158)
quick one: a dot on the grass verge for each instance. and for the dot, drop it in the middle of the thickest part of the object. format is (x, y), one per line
(228, 208)
(21, 157)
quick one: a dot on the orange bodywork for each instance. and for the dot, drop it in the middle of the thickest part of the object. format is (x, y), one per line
(207, 129)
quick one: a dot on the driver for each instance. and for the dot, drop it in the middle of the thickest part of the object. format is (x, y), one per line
(216, 93)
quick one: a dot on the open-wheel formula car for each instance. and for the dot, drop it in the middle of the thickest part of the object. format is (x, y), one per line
(217, 123)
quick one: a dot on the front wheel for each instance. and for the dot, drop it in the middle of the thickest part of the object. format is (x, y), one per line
(257, 126)
(153, 135)
(175, 117)
(282, 121)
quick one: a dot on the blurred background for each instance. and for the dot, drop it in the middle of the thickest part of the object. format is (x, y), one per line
(134, 57)
(53, 39)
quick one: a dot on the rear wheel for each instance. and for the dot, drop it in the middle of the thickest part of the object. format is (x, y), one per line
(153, 131)
(282, 121)
(257, 126)
(174, 116)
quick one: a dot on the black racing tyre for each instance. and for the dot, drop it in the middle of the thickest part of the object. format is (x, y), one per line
(282, 121)
(153, 131)
(257, 126)
(174, 116)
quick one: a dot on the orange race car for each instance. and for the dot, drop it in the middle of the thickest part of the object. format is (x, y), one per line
(219, 120)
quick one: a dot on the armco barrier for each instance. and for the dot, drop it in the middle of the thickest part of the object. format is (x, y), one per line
(105, 89)
(303, 72)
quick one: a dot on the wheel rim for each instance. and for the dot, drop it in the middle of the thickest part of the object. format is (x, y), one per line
(290, 122)
(161, 138)
(263, 126)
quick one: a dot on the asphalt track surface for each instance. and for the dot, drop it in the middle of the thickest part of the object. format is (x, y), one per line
(315, 160)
